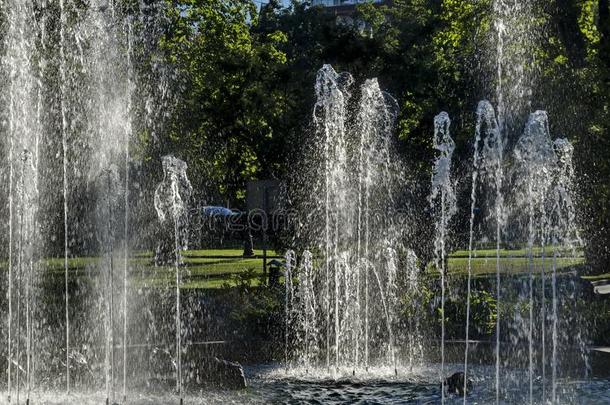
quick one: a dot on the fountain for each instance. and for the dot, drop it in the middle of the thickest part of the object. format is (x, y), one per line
(23, 140)
(70, 78)
(306, 328)
(564, 235)
(171, 199)
(514, 41)
(487, 179)
(415, 349)
(357, 304)
(443, 204)
(535, 156)
(360, 243)
(330, 290)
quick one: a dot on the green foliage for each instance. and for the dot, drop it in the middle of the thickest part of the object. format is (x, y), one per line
(229, 103)
(483, 315)
(245, 84)
(256, 311)
(484, 312)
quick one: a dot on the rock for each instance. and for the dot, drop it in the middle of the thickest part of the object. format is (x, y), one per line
(454, 384)
(226, 374)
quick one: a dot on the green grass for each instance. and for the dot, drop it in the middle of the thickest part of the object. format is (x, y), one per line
(202, 270)
(512, 261)
(516, 265)
(200, 276)
(225, 252)
(537, 252)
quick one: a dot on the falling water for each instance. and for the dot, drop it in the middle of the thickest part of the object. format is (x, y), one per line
(26, 206)
(535, 158)
(514, 37)
(109, 185)
(376, 115)
(64, 143)
(10, 275)
(473, 200)
(126, 141)
(19, 275)
(330, 115)
(355, 302)
(106, 66)
(171, 199)
(19, 68)
(443, 203)
(307, 299)
(30, 228)
(389, 300)
(289, 267)
(68, 72)
(487, 178)
(493, 161)
(302, 313)
(413, 293)
(564, 233)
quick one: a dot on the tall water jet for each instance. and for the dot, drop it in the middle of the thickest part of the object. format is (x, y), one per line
(514, 39)
(332, 91)
(309, 321)
(563, 232)
(171, 199)
(126, 142)
(377, 112)
(443, 205)
(289, 267)
(69, 74)
(413, 295)
(64, 142)
(535, 160)
(355, 312)
(487, 178)
(109, 187)
(21, 99)
(106, 67)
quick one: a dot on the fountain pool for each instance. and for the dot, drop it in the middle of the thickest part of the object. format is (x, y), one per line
(269, 384)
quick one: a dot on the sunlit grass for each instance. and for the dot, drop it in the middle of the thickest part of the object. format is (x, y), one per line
(524, 252)
(215, 268)
(224, 252)
(508, 265)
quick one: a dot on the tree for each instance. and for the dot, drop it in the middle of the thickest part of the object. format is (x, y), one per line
(228, 101)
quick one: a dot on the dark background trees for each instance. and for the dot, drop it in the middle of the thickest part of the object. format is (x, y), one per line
(245, 79)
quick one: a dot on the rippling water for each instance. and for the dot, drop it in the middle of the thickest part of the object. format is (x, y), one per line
(418, 386)
(271, 385)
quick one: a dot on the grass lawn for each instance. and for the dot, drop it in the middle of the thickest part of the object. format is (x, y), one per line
(214, 268)
(225, 252)
(210, 268)
(537, 251)
(514, 265)
(513, 261)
